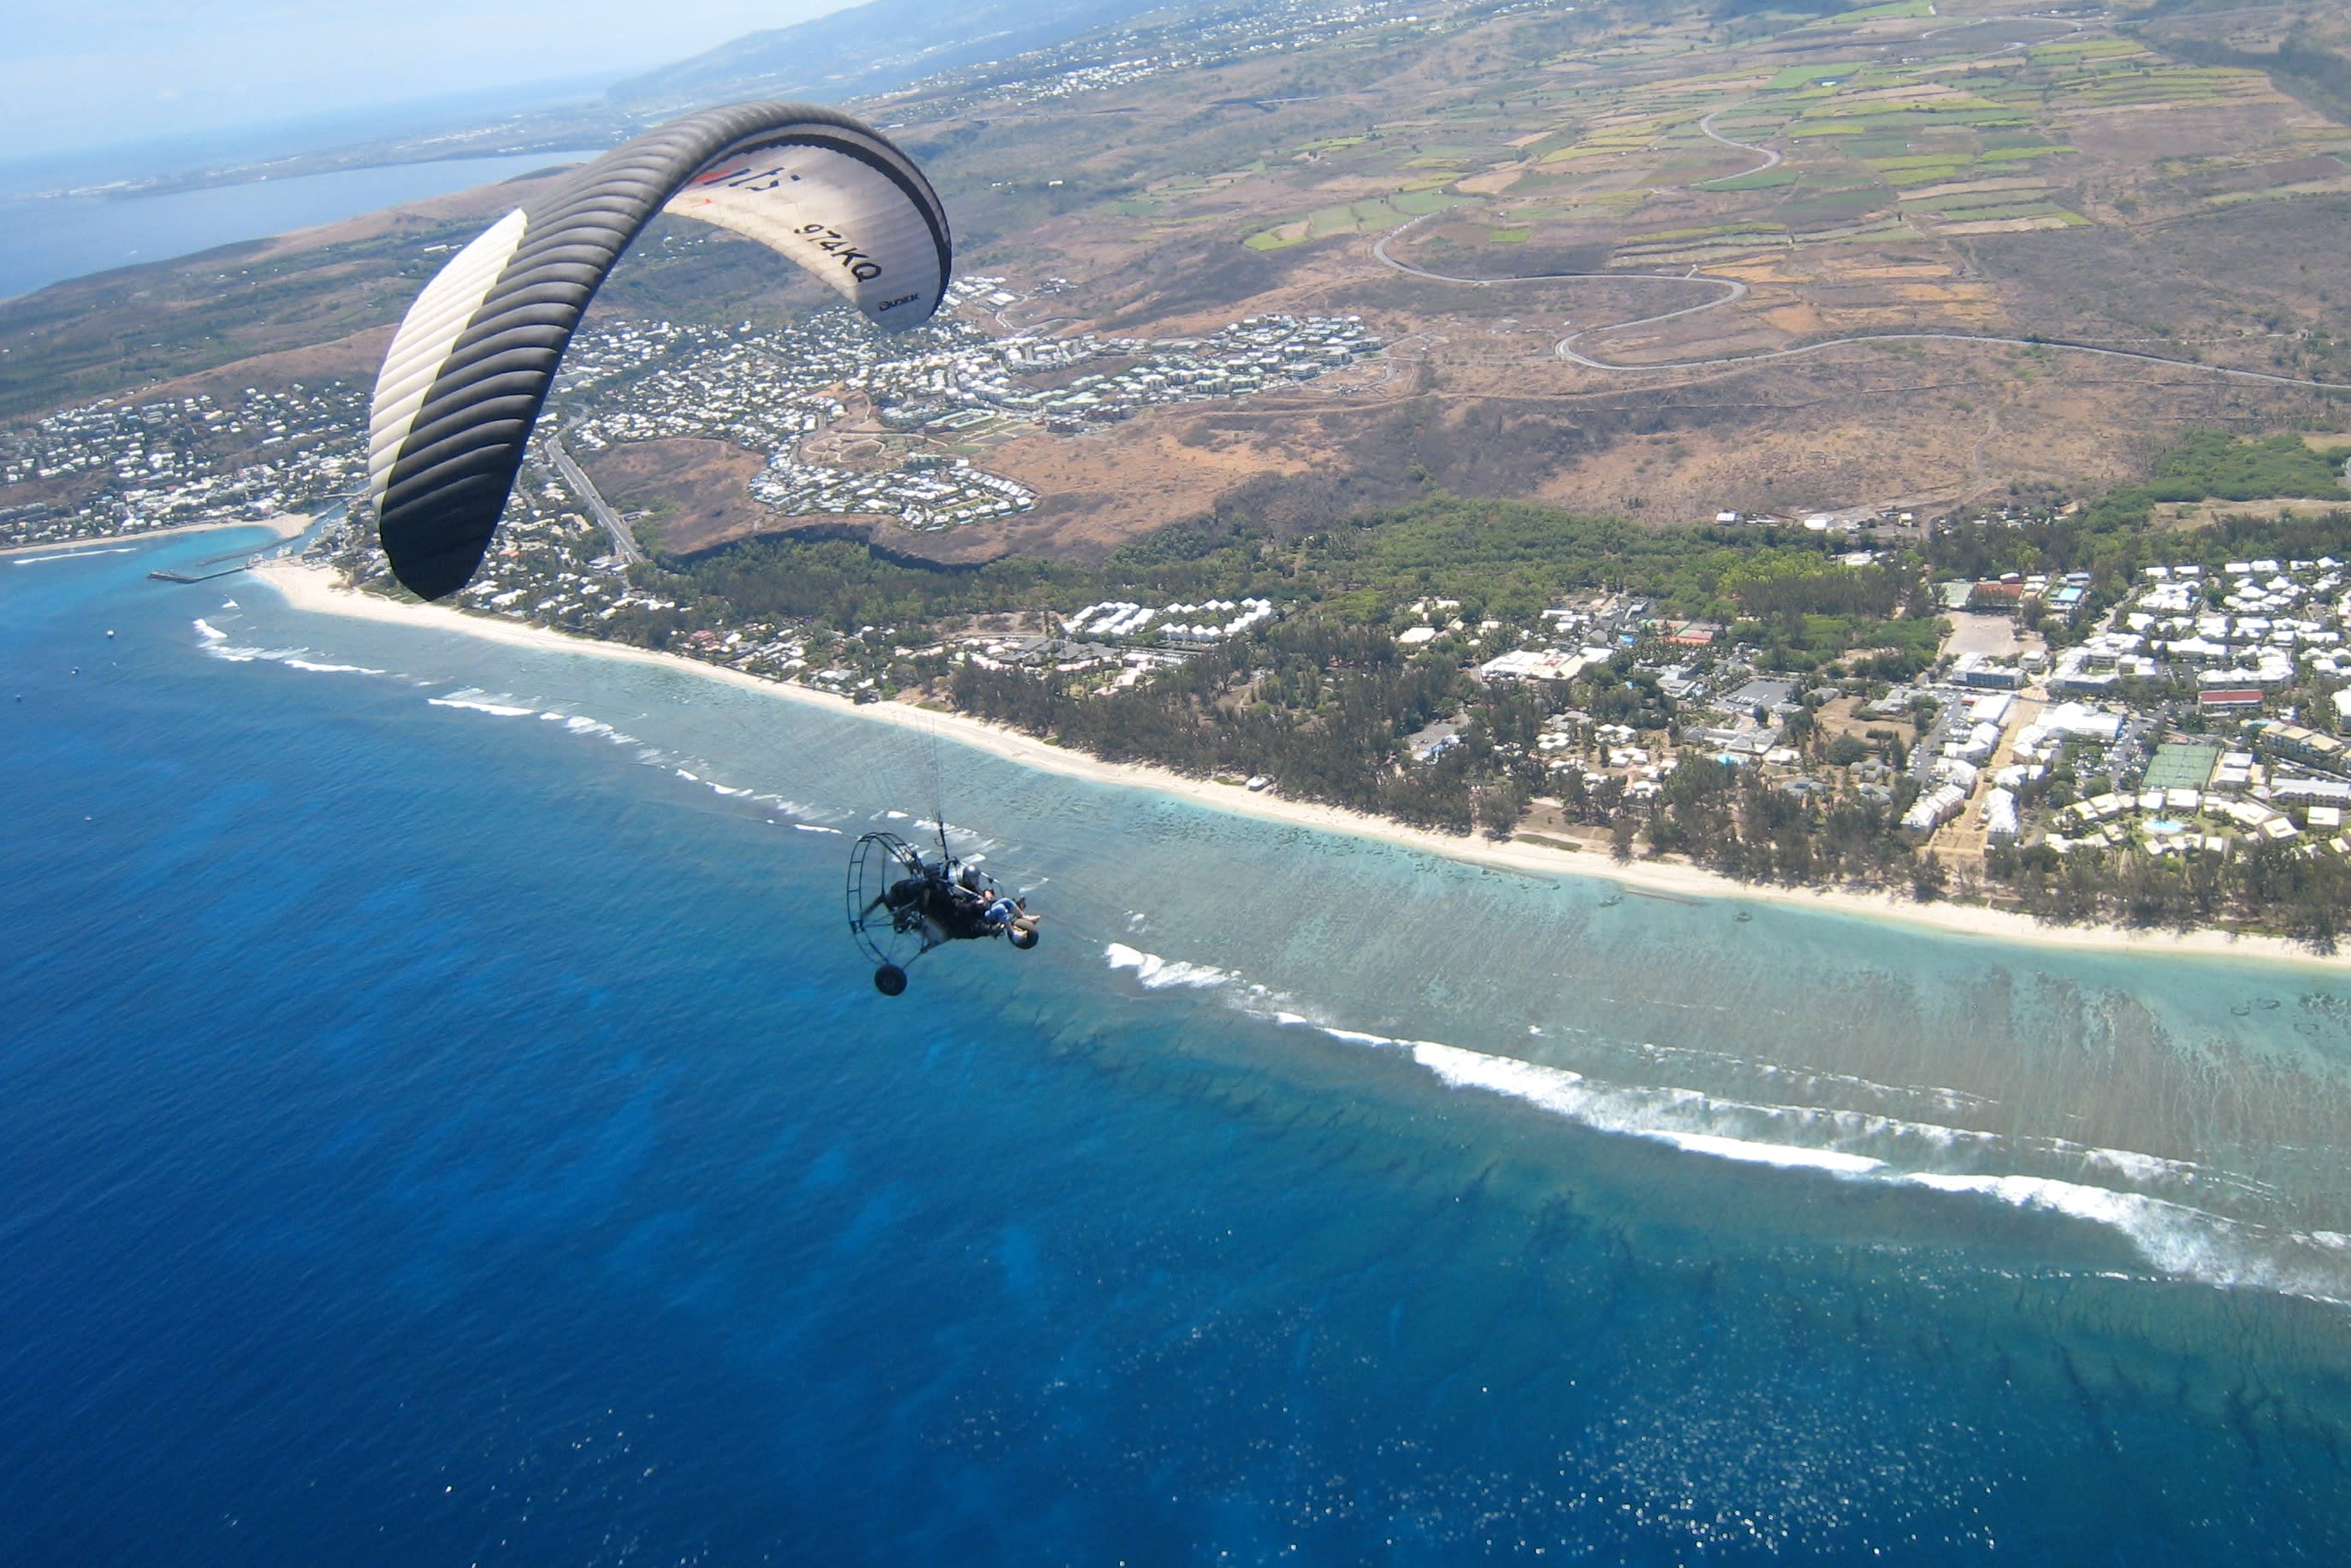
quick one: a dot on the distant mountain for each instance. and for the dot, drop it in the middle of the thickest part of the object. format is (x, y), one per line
(869, 48)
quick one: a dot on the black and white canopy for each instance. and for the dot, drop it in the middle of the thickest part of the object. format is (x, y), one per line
(470, 367)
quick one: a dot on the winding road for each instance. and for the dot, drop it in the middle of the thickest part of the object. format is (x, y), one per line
(1772, 159)
(1734, 290)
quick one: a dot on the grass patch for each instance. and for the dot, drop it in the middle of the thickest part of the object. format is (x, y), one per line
(1719, 231)
(1547, 841)
(1932, 174)
(2012, 210)
(1420, 204)
(1797, 77)
(1763, 180)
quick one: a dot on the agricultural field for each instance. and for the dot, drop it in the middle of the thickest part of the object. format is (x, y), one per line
(1761, 186)
(1630, 257)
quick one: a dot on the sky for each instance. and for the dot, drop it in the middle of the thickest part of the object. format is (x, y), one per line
(97, 72)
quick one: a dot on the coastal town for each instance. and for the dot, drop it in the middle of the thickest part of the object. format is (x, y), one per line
(2191, 713)
(928, 403)
(2196, 717)
(107, 469)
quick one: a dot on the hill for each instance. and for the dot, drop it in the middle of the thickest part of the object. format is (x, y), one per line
(866, 49)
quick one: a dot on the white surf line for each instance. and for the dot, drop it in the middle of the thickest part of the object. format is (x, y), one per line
(1737, 290)
(71, 555)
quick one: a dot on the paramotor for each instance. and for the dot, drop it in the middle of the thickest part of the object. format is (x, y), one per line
(902, 903)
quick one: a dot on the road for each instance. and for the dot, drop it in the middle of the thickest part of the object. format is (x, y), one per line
(624, 544)
(1771, 159)
(1734, 289)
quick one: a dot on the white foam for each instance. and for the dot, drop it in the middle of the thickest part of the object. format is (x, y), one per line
(2176, 1239)
(317, 668)
(1786, 1155)
(816, 828)
(216, 643)
(1156, 973)
(1683, 1118)
(802, 812)
(236, 655)
(70, 555)
(2133, 1167)
(1352, 1037)
(580, 724)
(476, 701)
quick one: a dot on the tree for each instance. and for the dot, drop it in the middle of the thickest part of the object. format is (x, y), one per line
(1928, 878)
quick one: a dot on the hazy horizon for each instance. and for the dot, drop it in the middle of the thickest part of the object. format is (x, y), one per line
(124, 72)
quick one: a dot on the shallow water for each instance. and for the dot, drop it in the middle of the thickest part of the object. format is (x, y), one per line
(448, 1072)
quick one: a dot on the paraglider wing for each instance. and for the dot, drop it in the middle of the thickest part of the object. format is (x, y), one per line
(470, 367)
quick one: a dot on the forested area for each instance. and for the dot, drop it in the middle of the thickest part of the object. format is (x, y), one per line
(2270, 887)
(1321, 704)
(1504, 560)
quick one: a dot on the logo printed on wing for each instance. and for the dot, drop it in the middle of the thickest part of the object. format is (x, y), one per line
(862, 266)
(746, 178)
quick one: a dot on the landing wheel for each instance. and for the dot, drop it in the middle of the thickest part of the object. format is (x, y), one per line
(1023, 937)
(889, 979)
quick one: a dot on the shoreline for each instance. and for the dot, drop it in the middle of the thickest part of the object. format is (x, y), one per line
(286, 526)
(310, 588)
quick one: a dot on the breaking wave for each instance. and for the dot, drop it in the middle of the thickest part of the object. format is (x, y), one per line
(70, 555)
(476, 700)
(2176, 1237)
(216, 643)
(1154, 973)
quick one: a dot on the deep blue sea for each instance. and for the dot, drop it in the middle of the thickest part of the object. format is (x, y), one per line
(443, 1121)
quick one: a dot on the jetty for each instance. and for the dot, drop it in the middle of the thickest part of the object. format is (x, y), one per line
(201, 575)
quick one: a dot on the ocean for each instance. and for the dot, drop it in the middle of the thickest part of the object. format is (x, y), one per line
(45, 239)
(443, 1119)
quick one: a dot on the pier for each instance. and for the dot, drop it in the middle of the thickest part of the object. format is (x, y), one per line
(200, 575)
